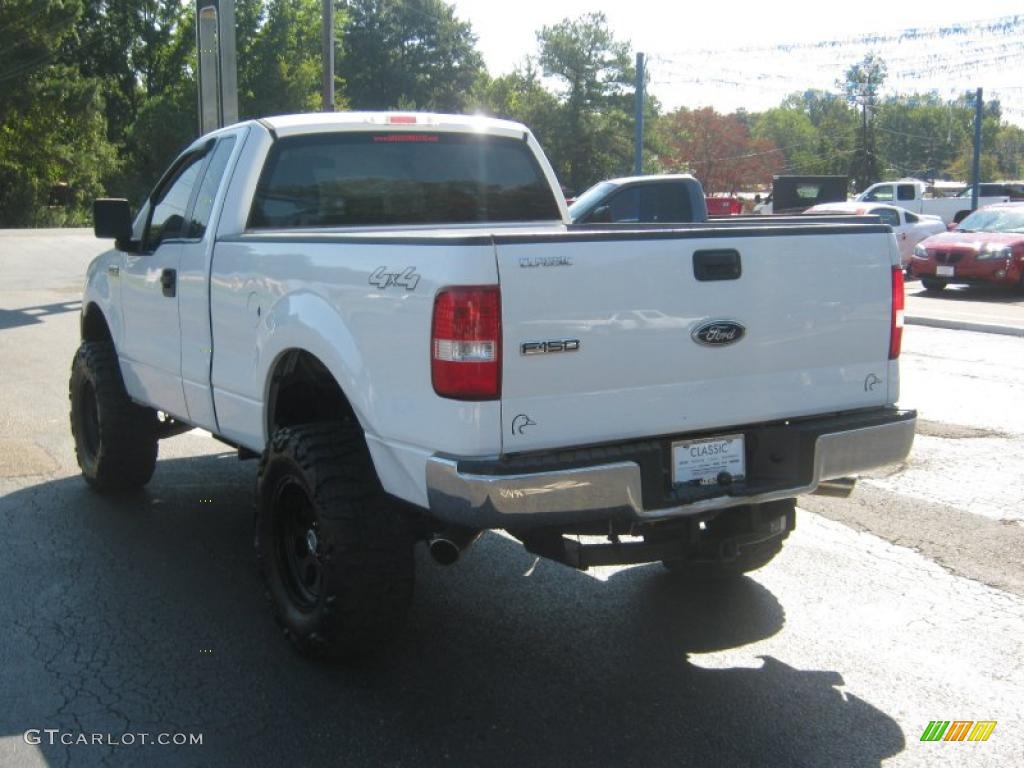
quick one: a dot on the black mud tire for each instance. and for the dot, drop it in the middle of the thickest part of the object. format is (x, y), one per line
(115, 438)
(933, 286)
(335, 551)
(750, 559)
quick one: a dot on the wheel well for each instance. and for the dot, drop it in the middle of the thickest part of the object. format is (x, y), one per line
(94, 325)
(303, 391)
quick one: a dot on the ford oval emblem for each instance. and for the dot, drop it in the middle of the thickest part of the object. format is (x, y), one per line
(718, 333)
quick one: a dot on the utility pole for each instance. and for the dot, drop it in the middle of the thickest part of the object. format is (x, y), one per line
(218, 70)
(976, 168)
(638, 133)
(328, 78)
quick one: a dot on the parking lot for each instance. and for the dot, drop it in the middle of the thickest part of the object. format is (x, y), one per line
(144, 614)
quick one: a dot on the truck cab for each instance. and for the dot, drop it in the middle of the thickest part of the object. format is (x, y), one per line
(667, 198)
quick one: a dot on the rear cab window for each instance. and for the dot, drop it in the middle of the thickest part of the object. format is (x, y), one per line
(387, 178)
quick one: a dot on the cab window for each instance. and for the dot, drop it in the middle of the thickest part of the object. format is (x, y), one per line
(887, 216)
(170, 206)
(905, 192)
(880, 194)
(208, 188)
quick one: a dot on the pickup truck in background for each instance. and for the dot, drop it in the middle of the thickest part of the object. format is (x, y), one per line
(913, 195)
(795, 194)
(395, 315)
(666, 199)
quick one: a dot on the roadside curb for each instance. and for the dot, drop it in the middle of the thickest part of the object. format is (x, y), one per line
(958, 325)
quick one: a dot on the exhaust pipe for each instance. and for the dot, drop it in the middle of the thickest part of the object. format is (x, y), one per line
(840, 487)
(447, 546)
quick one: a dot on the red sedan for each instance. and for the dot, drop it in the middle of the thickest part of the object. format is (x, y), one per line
(986, 247)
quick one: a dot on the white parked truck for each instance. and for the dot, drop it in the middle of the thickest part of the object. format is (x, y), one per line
(393, 313)
(914, 195)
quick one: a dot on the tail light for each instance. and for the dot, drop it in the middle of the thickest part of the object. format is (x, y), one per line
(465, 342)
(896, 324)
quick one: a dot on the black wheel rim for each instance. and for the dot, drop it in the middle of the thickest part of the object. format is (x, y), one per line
(297, 544)
(88, 420)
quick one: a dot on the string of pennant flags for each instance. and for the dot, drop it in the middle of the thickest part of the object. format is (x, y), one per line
(1003, 25)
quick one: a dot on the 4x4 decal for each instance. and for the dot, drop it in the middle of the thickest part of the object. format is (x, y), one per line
(383, 279)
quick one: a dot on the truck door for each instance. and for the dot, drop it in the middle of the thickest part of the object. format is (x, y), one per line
(194, 285)
(151, 349)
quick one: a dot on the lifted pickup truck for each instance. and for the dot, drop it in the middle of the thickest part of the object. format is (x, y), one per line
(393, 312)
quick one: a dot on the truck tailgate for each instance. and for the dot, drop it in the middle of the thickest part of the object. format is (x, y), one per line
(617, 335)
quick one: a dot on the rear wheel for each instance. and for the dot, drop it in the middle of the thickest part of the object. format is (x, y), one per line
(334, 550)
(933, 286)
(115, 439)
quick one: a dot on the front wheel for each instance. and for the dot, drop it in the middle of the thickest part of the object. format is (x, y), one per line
(115, 439)
(334, 550)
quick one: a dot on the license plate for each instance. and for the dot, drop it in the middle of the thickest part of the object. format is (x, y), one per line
(944, 271)
(703, 461)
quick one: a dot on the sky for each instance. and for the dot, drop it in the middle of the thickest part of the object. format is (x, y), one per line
(724, 53)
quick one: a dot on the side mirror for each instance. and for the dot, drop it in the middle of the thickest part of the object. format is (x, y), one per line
(112, 217)
(600, 215)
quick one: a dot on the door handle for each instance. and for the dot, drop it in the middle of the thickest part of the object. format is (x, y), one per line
(169, 282)
(721, 264)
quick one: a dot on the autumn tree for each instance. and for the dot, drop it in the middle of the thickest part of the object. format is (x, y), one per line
(717, 149)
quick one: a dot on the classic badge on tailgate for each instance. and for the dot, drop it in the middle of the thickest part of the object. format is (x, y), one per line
(718, 333)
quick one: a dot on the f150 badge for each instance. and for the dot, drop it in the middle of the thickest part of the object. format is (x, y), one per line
(718, 333)
(549, 347)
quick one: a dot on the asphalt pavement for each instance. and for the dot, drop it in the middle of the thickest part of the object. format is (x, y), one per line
(985, 309)
(143, 614)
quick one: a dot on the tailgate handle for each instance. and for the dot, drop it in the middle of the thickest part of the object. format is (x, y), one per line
(722, 264)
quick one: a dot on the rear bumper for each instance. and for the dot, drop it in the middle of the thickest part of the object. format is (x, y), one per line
(565, 488)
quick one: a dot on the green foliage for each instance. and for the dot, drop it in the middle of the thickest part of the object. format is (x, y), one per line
(793, 133)
(100, 95)
(407, 54)
(595, 77)
(52, 128)
(281, 71)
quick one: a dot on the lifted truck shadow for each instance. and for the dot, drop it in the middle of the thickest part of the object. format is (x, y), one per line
(144, 614)
(15, 318)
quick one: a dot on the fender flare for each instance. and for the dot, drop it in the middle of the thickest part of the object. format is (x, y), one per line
(306, 322)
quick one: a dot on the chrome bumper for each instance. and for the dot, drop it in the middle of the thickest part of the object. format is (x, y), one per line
(614, 490)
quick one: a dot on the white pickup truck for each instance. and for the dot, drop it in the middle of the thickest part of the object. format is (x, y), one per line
(393, 312)
(914, 195)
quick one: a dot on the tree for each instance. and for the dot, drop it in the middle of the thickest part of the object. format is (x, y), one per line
(795, 136)
(596, 79)
(718, 150)
(407, 54)
(521, 96)
(283, 65)
(1009, 152)
(863, 82)
(52, 126)
(920, 136)
(128, 46)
